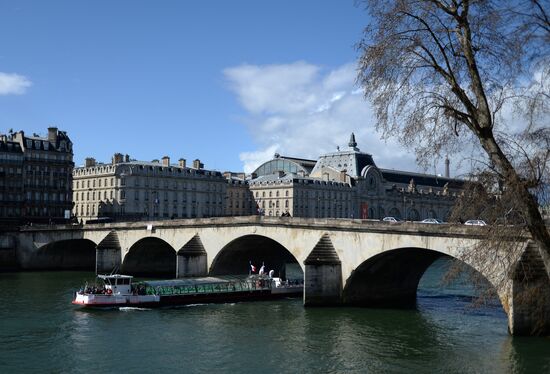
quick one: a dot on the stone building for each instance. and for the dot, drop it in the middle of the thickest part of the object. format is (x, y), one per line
(238, 200)
(35, 177)
(11, 181)
(300, 196)
(127, 189)
(347, 183)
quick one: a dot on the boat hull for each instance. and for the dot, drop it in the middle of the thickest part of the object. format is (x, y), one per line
(156, 301)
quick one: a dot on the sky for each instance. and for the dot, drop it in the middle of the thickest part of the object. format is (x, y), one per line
(228, 82)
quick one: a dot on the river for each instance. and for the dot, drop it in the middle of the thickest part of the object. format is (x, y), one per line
(42, 332)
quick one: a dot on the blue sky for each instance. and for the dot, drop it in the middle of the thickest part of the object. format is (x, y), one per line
(228, 82)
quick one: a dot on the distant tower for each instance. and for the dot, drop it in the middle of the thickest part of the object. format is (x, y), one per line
(352, 143)
(447, 171)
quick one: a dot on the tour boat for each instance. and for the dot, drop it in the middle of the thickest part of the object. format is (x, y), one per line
(117, 290)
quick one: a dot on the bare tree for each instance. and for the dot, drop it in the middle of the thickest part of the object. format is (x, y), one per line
(441, 74)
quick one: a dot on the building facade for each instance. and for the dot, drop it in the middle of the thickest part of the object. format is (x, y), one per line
(11, 181)
(301, 196)
(238, 200)
(348, 184)
(127, 189)
(35, 177)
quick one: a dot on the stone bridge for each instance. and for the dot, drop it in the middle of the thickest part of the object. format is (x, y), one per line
(350, 262)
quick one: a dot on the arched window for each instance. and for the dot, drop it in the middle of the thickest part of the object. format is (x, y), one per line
(394, 212)
(371, 213)
(414, 215)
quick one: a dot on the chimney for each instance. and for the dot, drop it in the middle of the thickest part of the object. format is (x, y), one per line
(182, 162)
(197, 164)
(343, 176)
(89, 162)
(447, 171)
(52, 134)
(166, 161)
(117, 158)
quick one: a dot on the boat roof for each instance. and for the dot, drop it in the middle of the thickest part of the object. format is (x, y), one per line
(114, 276)
(195, 281)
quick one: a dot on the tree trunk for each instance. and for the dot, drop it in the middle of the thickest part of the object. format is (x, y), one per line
(535, 222)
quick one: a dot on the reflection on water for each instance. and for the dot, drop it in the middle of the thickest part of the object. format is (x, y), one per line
(41, 331)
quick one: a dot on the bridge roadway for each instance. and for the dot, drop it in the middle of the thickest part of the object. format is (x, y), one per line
(351, 262)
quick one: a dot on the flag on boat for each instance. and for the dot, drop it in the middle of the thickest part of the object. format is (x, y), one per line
(262, 270)
(252, 268)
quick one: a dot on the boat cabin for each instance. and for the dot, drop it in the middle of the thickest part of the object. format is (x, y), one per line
(117, 283)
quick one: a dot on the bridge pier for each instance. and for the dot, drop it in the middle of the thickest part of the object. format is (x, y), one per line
(192, 259)
(189, 265)
(528, 296)
(8, 255)
(529, 308)
(108, 254)
(323, 275)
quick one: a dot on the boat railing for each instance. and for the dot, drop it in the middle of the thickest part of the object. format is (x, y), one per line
(222, 287)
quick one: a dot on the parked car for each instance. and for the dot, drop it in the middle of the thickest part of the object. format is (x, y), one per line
(391, 219)
(475, 222)
(432, 220)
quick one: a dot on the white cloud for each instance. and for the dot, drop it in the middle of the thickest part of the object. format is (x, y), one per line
(13, 84)
(303, 110)
(254, 159)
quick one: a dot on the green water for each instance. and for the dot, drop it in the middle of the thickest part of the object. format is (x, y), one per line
(40, 331)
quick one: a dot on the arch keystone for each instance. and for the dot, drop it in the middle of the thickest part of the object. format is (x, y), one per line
(323, 275)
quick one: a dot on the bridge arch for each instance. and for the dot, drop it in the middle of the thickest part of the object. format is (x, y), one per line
(236, 256)
(391, 278)
(71, 254)
(150, 256)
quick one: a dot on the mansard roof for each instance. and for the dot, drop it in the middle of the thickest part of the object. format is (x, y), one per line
(352, 161)
(404, 177)
(294, 178)
(10, 146)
